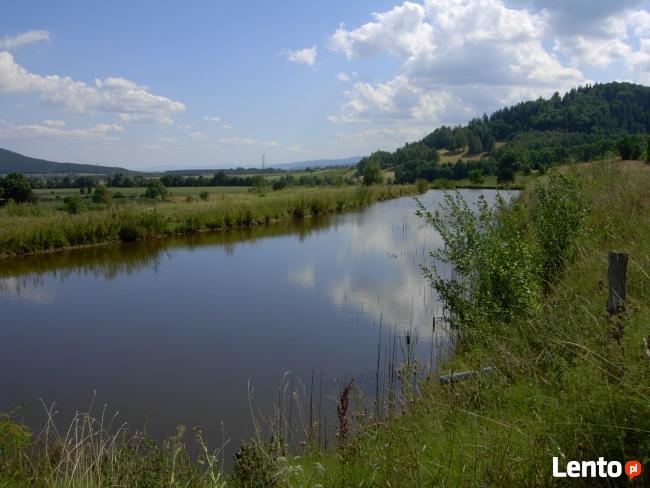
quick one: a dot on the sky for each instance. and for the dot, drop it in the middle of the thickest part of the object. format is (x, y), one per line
(168, 84)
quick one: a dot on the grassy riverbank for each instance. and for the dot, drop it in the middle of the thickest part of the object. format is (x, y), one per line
(37, 228)
(566, 382)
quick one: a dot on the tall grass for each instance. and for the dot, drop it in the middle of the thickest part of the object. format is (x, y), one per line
(29, 229)
(561, 384)
(94, 452)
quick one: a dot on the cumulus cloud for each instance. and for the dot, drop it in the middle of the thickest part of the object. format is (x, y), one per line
(343, 77)
(303, 56)
(131, 102)
(54, 129)
(456, 58)
(29, 37)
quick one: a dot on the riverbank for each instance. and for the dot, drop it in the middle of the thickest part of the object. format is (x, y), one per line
(26, 229)
(29, 229)
(567, 381)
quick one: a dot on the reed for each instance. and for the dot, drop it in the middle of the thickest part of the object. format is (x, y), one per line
(31, 229)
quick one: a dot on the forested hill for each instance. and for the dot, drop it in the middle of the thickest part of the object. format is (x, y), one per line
(11, 162)
(586, 123)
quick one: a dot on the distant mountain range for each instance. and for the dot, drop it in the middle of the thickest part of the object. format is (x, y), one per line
(11, 162)
(270, 168)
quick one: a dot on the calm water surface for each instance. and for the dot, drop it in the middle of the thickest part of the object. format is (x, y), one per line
(177, 329)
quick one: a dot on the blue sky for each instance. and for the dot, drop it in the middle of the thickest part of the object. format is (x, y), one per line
(206, 83)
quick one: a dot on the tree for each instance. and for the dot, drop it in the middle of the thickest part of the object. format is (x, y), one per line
(86, 182)
(476, 176)
(155, 189)
(16, 187)
(102, 195)
(73, 204)
(505, 174)
(475, 144)
(371, 173)
(258, 184)
(625, 146)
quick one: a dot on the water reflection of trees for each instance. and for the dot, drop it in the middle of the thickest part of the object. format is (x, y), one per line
(109, 261)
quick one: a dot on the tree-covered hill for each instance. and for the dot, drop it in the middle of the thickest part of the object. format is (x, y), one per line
(586, 123)
(12, 162)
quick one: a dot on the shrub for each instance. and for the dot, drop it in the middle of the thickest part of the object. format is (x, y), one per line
(155, 189)
(496, 275)
(421, 185)
(558, 212)
(102, 195)
(16, 187)
(476, 176)
(204, 195)
(503, 263)
(73, 204)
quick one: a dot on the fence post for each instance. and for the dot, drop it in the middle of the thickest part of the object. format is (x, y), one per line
(616, 275)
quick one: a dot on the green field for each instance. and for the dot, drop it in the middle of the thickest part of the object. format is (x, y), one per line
(57, 195)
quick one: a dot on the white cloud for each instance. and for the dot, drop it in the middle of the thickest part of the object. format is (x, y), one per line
(53, 123)
(639, 61)
(29, 37)
(131, 102)
(226, 126)
(343, 77)
(457, 58)
(197, 136)
(50, 129)
(303, 56)
(211, 118)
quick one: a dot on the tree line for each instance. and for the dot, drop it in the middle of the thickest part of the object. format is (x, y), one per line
(587, 123)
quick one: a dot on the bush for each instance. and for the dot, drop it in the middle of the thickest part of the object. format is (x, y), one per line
(559, 211)
(421, 185)
(16, 187)
(156, 189)
(502, 262)
(73, 204)
(204, 195)
(476, 176)
(496, 275)
(102, 195)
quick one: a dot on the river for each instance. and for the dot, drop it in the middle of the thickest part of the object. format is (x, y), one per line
(197, 330)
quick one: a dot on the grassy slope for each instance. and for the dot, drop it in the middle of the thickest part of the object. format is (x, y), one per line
(562, 389)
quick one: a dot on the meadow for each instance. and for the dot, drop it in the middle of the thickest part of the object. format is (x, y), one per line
(55, 196)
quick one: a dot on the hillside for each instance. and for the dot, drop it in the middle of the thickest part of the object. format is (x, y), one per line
(587, 123)
(13, 162)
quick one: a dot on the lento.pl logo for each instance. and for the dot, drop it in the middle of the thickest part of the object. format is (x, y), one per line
(596, 469)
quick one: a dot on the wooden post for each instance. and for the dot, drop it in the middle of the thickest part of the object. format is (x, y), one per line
(616, 275)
